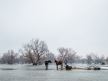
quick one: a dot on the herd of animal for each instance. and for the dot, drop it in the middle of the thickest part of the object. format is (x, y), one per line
(58, 63)
(68, 67)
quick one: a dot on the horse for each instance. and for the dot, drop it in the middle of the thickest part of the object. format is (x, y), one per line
(34, 64)
(59, 63)
(46, 64)
(68, 67)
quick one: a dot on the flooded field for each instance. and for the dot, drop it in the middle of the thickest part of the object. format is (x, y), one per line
(38, 73)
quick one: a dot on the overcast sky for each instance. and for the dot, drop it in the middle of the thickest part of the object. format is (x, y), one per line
(78, 24)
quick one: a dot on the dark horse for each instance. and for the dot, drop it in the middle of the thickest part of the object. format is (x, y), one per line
(59, 63)
(46, 64)
(68, 67)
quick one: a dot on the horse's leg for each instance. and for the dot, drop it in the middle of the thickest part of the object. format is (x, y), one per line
(46, 67)
(57, 67)
(61, 66)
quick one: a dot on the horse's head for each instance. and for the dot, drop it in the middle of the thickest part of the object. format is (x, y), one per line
(47, 62)
(55, 61)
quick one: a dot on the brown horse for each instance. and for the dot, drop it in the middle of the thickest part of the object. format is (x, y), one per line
(59, 63)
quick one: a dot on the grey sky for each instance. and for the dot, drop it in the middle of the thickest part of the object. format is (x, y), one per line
(78, 24)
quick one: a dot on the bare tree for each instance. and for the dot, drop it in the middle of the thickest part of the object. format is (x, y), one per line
(102, 60)
(35, 51)
(106, 60)
(21, 59)
(66, 55)
(50, 56)
(89, 59)
(27, 54)
(9, 57)
(94, 58)
(77, 59)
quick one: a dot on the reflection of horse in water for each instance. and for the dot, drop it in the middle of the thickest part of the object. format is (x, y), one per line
(46, 63)
(59, 63)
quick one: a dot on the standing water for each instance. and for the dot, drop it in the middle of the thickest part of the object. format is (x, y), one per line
(38, 73)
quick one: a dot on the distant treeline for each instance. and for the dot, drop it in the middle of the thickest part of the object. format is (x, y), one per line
(37, 52)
